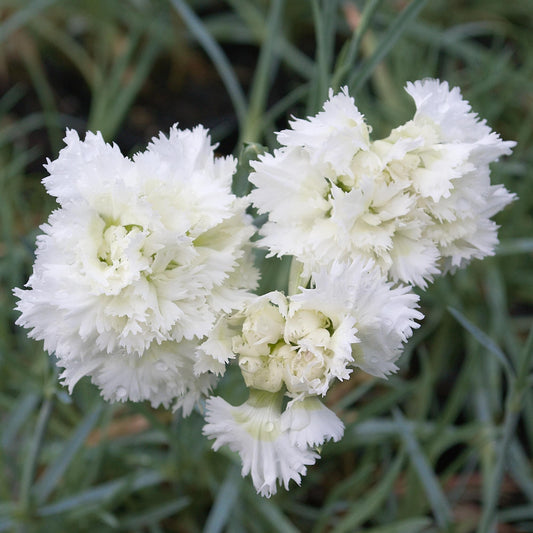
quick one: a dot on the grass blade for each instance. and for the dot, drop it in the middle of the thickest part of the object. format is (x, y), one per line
(30, 466)
(271, 513)
(411, 525)
(22, 17)
(219, 59)
(263, 76)
(437, 500)
(483, 339)
(53, 473)
(103, 492)
(348, 55)
(395, 31)
(153, 516)
(20, 414)
(368, 506)
(224, 502)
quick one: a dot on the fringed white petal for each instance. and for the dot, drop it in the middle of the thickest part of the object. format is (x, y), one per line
(310, 423)
(254, 431)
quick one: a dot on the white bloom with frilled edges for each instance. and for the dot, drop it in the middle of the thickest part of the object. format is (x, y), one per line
(417, 203)
(254, 430)
(142, 254)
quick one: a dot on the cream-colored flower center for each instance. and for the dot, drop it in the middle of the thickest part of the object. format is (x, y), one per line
(274, 351)
(121, 256)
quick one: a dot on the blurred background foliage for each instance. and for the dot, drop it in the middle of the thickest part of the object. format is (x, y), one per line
(446, 444)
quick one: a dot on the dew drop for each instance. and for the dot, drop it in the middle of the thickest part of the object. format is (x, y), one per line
(121, 393)
(269, 426)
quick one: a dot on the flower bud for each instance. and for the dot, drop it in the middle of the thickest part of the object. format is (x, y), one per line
(263, 325)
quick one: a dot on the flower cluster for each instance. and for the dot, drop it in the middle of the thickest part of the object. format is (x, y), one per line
(143, 276)
(418, 203)
(137, 264)
(297, 346)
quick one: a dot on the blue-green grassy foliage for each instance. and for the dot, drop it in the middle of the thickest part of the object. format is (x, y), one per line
(444, 445)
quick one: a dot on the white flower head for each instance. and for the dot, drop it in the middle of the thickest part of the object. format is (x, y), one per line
(450, 149)
(323, 207)
(254, 431)
(370, 317)
(332, 137)
(416, 203)
(142, 253)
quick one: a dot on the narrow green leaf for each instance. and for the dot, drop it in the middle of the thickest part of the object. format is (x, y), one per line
(19, 415)
(225, 499)
(324, 15)
(214, 51)
(337, 496)
(52, 475)
(366, 507)
(271, 513)
(22, 16)
(483, 339)
(411, 525)
(394, 32)
(103, 492)
(154, 515)
(253, 123)
(515, 246)
(520, 468)
(249, 152)
(514, 514)
(437, 500)
(346, 59)
(124, 97)
(7, 524)
(32, 458)
(255, 19)
(10, 98)
(512, 414)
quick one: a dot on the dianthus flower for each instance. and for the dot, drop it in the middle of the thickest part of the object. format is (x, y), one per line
(296, 346)
(448, 150)
(137, 263)
(417, 203)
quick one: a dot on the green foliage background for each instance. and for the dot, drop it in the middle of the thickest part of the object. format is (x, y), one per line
(444, 445)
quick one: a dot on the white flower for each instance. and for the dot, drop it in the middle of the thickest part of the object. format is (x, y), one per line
(310, 423)
(417, 203)
(323, 207)
(143, 253)
(331, 137)
(254, 431)
(370, 317)
(163, 374)
(450, 150)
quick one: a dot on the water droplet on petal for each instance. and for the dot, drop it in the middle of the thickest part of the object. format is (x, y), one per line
(121, 393)
(269, 426)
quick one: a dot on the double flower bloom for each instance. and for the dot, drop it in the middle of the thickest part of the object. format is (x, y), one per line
(144, 275)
